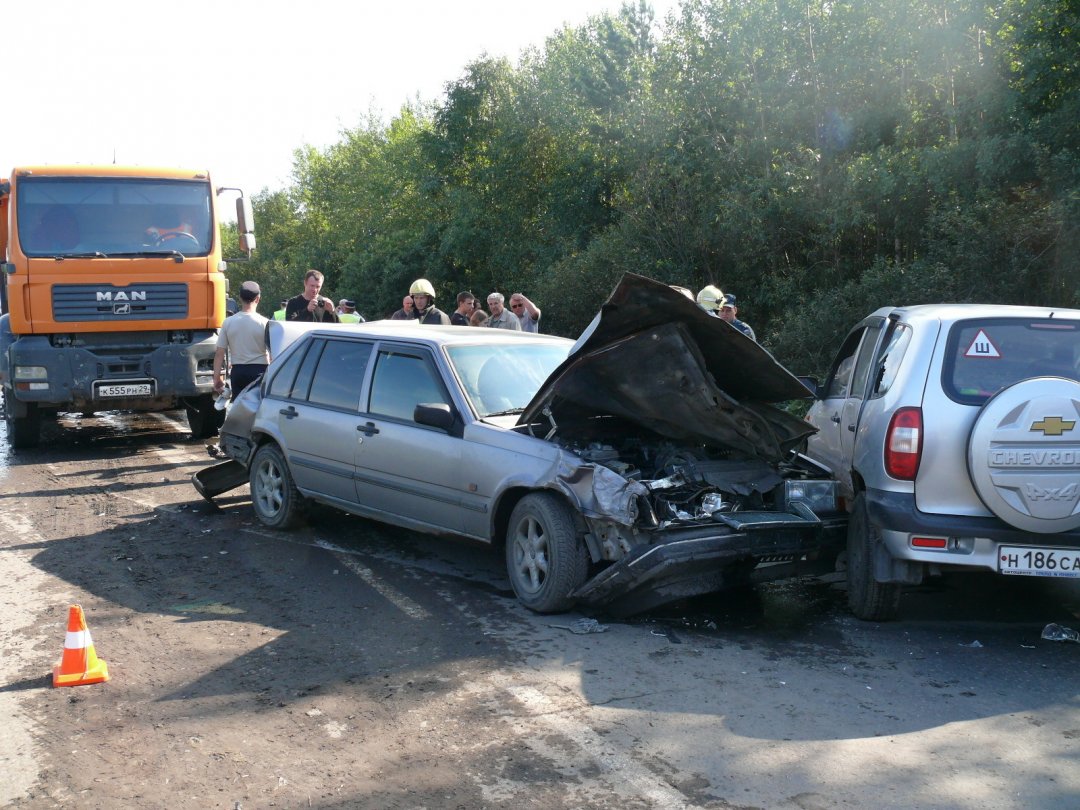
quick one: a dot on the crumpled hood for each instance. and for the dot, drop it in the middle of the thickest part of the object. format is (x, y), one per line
(655, 358)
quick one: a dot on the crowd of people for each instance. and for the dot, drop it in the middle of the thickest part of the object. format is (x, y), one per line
(520, 315)
(242, 341)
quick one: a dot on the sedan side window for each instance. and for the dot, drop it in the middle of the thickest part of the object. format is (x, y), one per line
(401, 382)
(282, 383)
(340, 374)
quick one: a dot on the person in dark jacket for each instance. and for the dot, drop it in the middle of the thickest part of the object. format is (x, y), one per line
(310, 306)
(423, 296)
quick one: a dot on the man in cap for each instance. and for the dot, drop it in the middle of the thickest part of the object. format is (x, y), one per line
(346, 312)
(729, 311)
(243, 337)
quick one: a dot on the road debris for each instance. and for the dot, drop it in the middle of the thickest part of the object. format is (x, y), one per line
(583, 626)
(1057, 632)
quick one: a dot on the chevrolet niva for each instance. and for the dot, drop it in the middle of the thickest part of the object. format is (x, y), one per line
(641, 464)
(953, 432)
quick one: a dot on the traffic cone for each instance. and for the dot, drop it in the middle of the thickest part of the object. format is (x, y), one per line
(79, 664)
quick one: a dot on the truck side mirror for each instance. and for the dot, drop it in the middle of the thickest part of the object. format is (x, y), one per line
(245, 219)
(245, 224)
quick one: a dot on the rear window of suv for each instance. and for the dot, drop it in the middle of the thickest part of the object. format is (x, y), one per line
(986, 355)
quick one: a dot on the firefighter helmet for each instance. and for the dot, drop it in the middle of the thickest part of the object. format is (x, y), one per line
(710, 298)
(422, 287)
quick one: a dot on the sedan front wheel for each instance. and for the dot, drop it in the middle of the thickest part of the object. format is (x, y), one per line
(545, 558)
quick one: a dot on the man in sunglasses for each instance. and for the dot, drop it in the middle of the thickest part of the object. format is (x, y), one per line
(527, 312)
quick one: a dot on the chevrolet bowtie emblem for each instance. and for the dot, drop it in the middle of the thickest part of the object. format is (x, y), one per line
(1052, 426)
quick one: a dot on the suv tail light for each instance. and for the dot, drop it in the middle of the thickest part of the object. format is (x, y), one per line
(903, 444)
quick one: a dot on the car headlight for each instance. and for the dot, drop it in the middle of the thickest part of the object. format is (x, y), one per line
(820, 496)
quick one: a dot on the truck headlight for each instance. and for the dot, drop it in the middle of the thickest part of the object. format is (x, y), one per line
(30, 373)
(820, 496)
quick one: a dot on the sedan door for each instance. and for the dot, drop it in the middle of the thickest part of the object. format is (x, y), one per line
(407, 471)
(318, 415)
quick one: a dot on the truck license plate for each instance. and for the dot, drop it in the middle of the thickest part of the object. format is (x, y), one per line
(125, 390)
(1039, 562)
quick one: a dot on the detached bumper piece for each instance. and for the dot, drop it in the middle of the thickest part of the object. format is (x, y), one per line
(213, 481)
(696, 560)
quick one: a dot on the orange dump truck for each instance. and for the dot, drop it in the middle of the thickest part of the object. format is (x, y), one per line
(113, 291)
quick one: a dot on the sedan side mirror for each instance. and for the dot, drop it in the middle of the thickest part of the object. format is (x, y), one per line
(434, 414)
(811, 384)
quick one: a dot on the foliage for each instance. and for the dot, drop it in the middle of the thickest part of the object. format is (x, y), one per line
(819, 158)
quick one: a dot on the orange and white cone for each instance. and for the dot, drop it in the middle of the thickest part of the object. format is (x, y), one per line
(79, 664)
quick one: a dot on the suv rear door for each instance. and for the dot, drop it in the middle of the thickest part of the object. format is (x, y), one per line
(836, 415)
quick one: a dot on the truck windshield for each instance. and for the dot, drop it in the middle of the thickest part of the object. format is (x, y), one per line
(89, 216)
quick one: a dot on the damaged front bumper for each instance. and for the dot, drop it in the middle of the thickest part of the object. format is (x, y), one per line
(693, 560)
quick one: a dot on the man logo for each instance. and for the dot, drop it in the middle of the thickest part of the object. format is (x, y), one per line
(1052, 426)
(121, 309)
(121, 295)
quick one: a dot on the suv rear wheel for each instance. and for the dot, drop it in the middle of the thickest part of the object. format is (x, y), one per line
(868, 599)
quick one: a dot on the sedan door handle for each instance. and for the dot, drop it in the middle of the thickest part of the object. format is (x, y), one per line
(851, 428)
(289, 412)
(369, 429)
(835, 418)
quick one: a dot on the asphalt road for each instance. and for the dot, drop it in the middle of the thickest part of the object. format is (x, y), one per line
(347, 664)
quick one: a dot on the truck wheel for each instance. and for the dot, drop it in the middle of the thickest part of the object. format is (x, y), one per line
(23, 431)
(868, 599)
(545, 558)
(204, 419)
(278, 504)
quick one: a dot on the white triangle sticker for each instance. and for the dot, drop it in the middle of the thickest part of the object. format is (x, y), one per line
(982, 346)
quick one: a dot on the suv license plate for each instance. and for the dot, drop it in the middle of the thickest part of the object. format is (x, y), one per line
(125, 390)
(1039, 562)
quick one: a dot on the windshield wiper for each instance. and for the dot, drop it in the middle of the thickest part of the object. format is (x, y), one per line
(130, 254)
(507, 412)
(87, 254)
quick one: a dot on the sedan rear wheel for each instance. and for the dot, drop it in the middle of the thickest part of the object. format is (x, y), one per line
(277, 502)
(869, 599)
(545, 557)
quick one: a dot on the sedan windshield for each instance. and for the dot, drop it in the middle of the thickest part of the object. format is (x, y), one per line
(503, 378)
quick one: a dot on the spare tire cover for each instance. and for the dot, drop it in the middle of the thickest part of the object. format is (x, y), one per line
(1024, 455)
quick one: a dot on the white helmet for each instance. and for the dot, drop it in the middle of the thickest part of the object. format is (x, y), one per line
(710, 298)
(422, 287)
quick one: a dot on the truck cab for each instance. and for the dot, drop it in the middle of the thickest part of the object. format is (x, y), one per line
(113, 291)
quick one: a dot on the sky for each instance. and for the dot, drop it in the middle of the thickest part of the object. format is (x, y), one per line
(235, 86)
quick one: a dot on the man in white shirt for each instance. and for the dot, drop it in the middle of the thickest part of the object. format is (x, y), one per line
(243, 336)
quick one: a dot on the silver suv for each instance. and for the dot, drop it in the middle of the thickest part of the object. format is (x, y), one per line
(954, 431)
